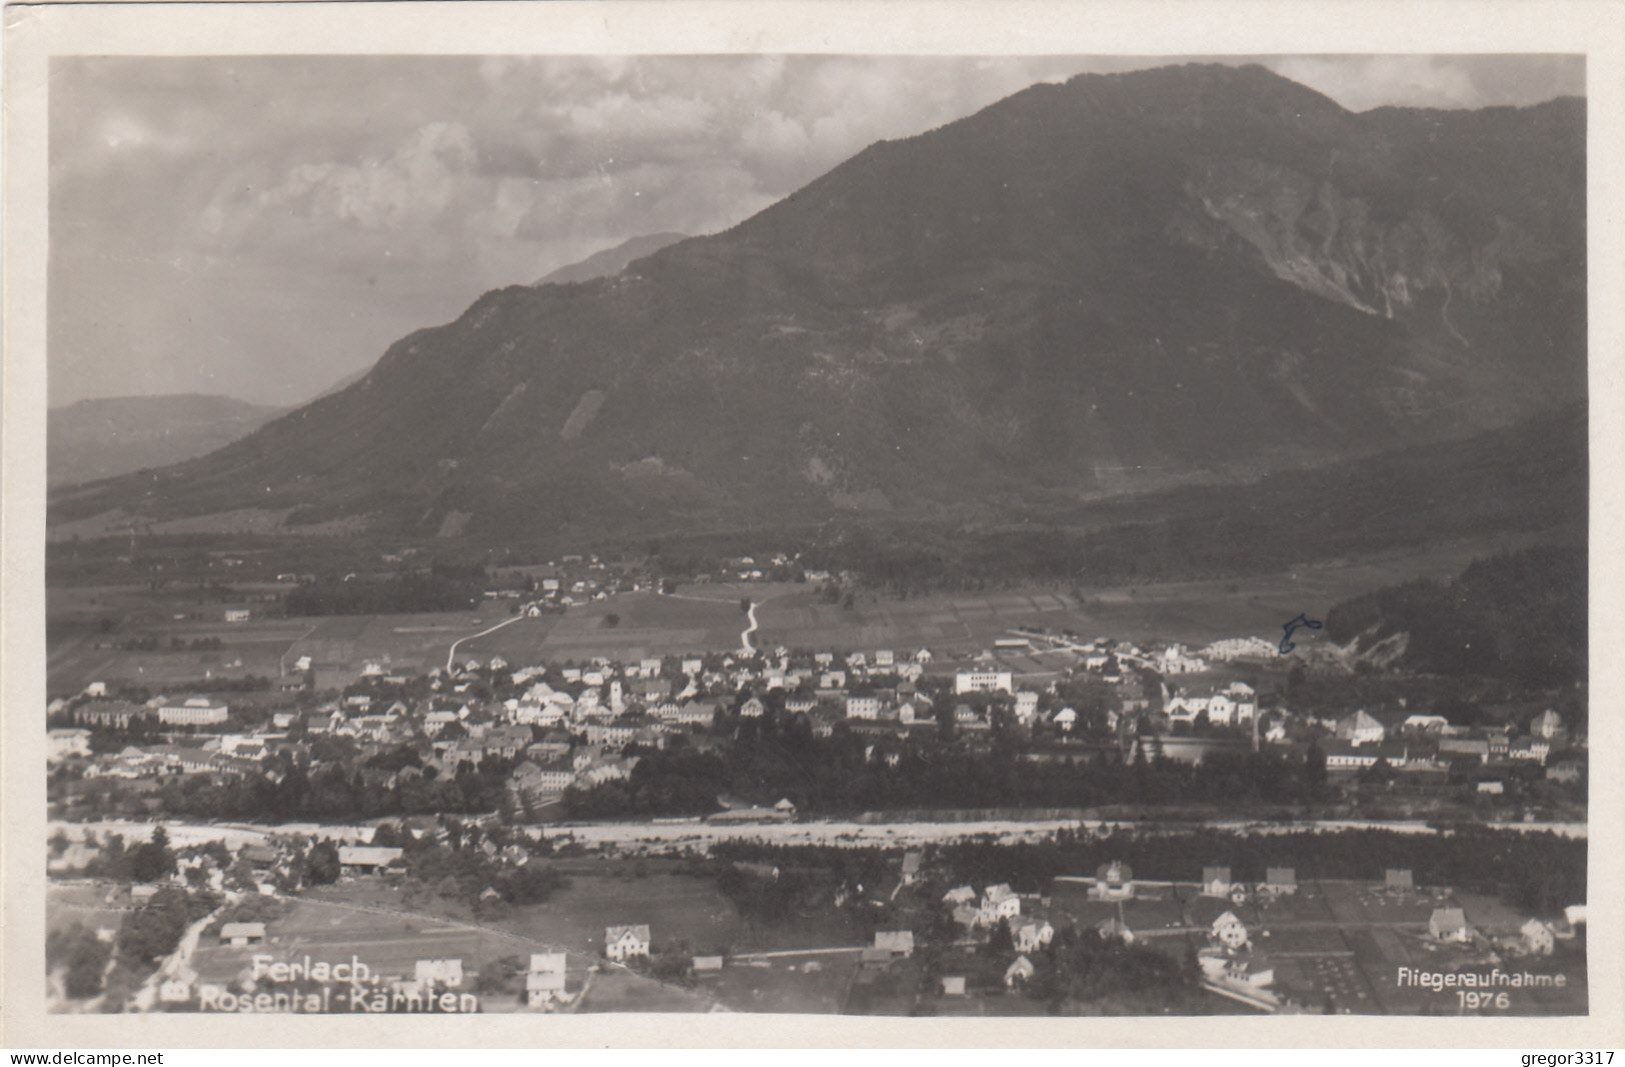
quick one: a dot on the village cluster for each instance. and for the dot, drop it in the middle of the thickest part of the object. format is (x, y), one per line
(582, 724)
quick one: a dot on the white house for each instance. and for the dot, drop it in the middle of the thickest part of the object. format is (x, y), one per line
(1449, 924)
(439, 972)
(624, 942)
(1538, 938)
(1216, 881)
(544, 982)
(1230, 931)
(1032, 935)
(999, 902)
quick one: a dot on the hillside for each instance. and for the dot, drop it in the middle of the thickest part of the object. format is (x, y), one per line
(611, 261)
(95, 439)
(1119, 284)
(1519, 617)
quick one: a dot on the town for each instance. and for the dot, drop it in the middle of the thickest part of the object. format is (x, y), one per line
(777, 828)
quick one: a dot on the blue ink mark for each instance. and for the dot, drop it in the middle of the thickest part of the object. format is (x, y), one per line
(1303, 620)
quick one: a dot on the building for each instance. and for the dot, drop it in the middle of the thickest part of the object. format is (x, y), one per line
(239, 934)
(1279, 881)
(1548, 726)
(1216, 881)
(1113, 881)
(625, 942)
(447, 973)
(544, 982)
(196, 711)
(1398, 880)
(238, 614)
(65, 744)
(911, 867)
(953, 985)
(1230, 931)
(999, 902)
(367, 859)
(1019, 973)
(1361, 729)
(1538, 938)
(983, 679)
(1449, 924)
(707, 964)
(1032, 935)
(863, 707)
(895, 942)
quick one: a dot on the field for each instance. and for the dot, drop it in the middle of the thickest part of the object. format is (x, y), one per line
(702, 618)
(331, 931)
(696, 618)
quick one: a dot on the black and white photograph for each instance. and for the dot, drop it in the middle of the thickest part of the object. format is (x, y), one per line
(932, 536)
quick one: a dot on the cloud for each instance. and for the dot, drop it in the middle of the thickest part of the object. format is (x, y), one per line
(262, 225)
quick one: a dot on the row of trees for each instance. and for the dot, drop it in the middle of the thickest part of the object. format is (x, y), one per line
(848, 772)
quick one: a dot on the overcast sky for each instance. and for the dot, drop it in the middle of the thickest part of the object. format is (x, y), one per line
(260, 227)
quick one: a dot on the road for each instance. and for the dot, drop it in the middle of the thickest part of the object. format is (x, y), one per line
(745, 645)
(451, 653)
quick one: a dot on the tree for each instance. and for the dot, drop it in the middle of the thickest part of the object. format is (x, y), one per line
(322, 864)
(1001, 940)
(612, 620)
(1314, 772)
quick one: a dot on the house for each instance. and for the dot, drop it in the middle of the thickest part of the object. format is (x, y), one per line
(953, 985)
(785, 806)
(895, 942)
(624, 942)
(367, 859)
(1113, 881)
(1548, 726)
(177, 988)
(1019, 973)
(441, 972)
(239, 934)
(1538, 938)
(1279, 881)
(1360, 728)
(1115, 929)
(1230, 931)
(707, 964)
(1398, 880)
(963, 894)
(544, 982)
(911, 867)
(63, 744)
(1216, 881)
(999, 902)
(1026, 706)
(1065, 719)
(1032, 935)
(1449, 924)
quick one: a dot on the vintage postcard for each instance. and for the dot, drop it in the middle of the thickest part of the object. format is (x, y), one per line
(699, 517)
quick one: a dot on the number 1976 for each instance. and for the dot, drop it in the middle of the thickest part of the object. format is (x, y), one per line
(1472, 1000)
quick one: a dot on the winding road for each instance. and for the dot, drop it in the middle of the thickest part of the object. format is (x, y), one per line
(451, 653)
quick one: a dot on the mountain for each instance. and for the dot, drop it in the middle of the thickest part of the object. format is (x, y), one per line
(611, 261)
(1117, 284)
(94, 439)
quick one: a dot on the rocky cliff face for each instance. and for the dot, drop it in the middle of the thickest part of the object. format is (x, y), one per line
(1115, 284)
